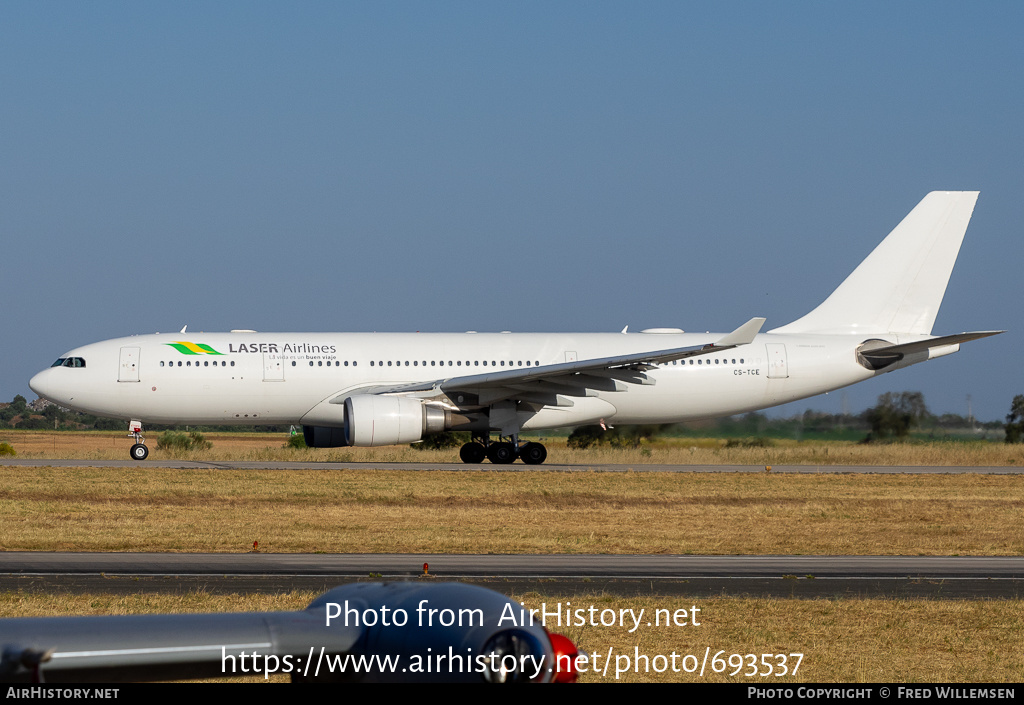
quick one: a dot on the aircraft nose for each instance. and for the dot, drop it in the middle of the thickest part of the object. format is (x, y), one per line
(42, 384)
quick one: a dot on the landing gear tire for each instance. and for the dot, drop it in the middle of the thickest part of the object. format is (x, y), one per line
(533, 453)
(139, 452)
(472, 453)
(501, 453)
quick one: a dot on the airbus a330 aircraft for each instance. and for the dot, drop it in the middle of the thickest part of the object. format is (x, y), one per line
(373, 389)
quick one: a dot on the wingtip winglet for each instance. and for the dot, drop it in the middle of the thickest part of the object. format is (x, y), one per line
(744, 335)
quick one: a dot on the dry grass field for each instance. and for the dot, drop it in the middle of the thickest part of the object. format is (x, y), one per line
(842, 641)
(369, 511)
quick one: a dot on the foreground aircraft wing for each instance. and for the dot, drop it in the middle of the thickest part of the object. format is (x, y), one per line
(570, 378)
(329, 641)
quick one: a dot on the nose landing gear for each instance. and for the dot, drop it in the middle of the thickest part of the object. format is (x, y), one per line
(139, 451)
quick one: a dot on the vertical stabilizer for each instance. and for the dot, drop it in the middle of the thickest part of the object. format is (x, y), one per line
(899, 287)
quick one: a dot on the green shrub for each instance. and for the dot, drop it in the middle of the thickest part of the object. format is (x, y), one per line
(442, 441)
(758, 442)
(296, 440)
(618, 437)
(7, 449)
(585, 436)
(177, 441)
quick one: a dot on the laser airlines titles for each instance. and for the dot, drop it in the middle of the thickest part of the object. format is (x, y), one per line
(275, 348)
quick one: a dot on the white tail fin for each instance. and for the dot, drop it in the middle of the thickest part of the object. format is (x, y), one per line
(899, 287)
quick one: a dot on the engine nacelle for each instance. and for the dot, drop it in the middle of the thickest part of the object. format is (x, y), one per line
(372, 420)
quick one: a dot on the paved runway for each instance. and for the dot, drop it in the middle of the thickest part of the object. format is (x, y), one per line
(802, 576)
(523, 566)
(515, 467)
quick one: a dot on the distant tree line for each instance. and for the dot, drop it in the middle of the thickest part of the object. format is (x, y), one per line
(895, 416)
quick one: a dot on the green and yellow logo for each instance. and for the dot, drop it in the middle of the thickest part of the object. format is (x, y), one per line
(187, 348)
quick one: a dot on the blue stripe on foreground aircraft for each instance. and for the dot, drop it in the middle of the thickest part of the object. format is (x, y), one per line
(372, 389)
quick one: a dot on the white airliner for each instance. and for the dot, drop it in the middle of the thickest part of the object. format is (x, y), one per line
(373, 389)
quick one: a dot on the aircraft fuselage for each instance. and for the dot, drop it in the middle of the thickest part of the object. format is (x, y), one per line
(271, 378)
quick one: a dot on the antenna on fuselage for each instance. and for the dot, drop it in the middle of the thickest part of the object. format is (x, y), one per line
(183, 328)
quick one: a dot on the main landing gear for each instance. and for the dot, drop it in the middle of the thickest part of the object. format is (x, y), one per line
(502, 452)
(139, 451)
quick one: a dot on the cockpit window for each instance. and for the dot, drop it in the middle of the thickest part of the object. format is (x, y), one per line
(60, 361)
(69, 362)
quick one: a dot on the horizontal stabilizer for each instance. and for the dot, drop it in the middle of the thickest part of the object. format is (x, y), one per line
(922, 345)
(876, 358)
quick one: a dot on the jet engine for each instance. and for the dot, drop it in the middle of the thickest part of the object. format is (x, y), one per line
(377, 420)
(372, 420)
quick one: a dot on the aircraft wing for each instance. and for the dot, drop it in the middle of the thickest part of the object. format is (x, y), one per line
(545, 383)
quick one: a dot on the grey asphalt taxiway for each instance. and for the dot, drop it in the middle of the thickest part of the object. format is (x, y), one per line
(779, 576)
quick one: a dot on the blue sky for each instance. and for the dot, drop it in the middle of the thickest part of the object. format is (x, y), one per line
(528, 166)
